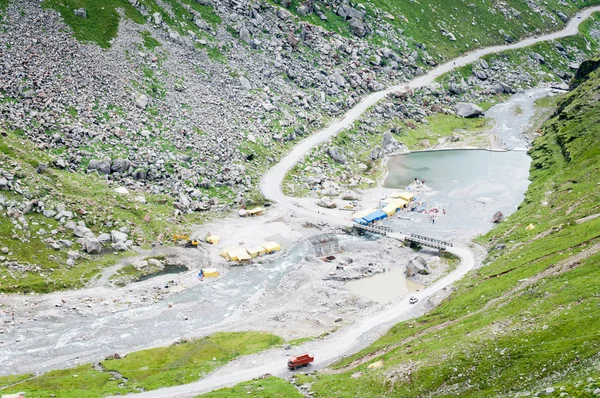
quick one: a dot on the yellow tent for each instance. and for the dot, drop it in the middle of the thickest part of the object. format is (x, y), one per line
(213, 239)
(226, 253)
(210, 272)
(256, 211)
(239, 255)
(271, 247)
(389, 209)
(408, 196)
(530, 227)
(400, 203)
(256, 251)
(396, 195)
(362, 213)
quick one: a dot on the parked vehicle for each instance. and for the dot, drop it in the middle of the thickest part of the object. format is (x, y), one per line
(300, 360)
(413, 300)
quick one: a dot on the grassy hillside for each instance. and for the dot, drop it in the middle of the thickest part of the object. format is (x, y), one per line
(530, 317)
(180, 363)
(29, 262)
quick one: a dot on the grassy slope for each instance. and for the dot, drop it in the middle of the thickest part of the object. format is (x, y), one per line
(269, 387)
(74, 190)
(147, 369)
(528, 318)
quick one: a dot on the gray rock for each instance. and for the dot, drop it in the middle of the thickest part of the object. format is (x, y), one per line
(418, 265)
(481, 75)
(358, 27)
(100, 166)
(302, 11)
(116, 236)
(139, 175)
(345, 11)
(339, 79)
(120, 246)
(483, 63)
(283, 13)
(201, 24)
(157, 18)
(142, 101)
(91, 245)
(336, 154)
(467, 110)
(377, 153)
(245, 83)
(81, 232)
(120, 165)
(3, 183)
(49, 213)
(538, 57)
(103, 238)
(80, 12)
(562, 16)
(245, 35)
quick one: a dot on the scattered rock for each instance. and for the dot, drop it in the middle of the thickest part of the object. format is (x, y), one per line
(468, 110)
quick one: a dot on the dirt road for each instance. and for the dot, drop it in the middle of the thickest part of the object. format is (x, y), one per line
(349, 339)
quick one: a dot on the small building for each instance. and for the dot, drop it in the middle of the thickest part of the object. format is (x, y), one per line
(17, 395)
(408, 196)
(239, 255)
(390, 209)
(258, 211)
(256, 251)
(208, 272)
(271, 247)
(362, 213)
(375, 216)
(213, 239)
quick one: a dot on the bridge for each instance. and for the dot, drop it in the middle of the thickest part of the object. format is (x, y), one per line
(412, 238)
(374, 229)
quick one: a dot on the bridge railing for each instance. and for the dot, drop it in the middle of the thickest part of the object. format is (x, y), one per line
(428, 239)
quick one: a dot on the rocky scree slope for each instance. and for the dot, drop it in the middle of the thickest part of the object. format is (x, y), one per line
(527, 321)
(195, 98)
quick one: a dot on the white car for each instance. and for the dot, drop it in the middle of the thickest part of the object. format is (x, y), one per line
(413, 300)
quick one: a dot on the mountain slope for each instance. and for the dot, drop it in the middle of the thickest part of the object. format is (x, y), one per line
(530, 317)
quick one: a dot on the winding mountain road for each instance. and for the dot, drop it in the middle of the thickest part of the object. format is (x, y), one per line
(358, 335)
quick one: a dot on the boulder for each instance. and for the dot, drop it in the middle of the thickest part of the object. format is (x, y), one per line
(377, 153)
(283, 13)
(142, 101)
(326, 203)
(418, 265)
(483, 63)
(245, 35)
(91, 245)
(481, 75)
(81, 231)
(3, 183)
(358, 27)
(562, 16)
(336, 154)
(498, 217)
(201, 24)
(157, 18)
(120, 165)
(467, 110)
(538, 57)
(99, 166)
(117, 236)
(80, 12)
(302, 10)
(245, 83)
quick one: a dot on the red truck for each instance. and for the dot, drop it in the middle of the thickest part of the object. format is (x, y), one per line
(300, 360)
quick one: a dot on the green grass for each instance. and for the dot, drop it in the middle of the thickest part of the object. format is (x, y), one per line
(148, 369)
(3, 7)
(102, 22)
(216, 55)
(440, 125)
(150, 42)
(530, 316)
(85, 192)
(269, 387)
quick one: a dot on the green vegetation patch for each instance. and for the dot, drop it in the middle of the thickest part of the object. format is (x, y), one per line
(268, 387)
(150, 42)
(180, 363)
(102, 22)
(185, 362)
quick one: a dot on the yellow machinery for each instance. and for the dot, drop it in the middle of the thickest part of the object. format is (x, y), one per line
(188, 242)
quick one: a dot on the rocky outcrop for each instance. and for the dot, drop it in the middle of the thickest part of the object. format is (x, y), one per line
(468, 110)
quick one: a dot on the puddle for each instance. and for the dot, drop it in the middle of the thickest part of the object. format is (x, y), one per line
(174, 269)
(383, 288)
